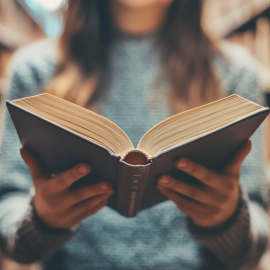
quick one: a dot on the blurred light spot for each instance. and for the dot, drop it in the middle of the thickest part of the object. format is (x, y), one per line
(51, 4)
(47, 14)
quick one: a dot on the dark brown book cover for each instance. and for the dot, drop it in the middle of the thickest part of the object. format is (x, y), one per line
(57, 149)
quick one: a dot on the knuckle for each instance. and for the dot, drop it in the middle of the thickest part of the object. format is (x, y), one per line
(104, 198)
(191, 192)
(237, 174)
(173, 184)
(65, 220)
(101, 199)
(209, 177)
(197, 220)
(87, 206)
(191, 169)
(79, 194)
(42, 191)
(215, 211)
(61, 182)
(198, 216)
(52, 205)
(223, 198)
(217, 219)
(73, 174)
(178, 201)
(92, 190)
(223, 207)
(168, 192)
(48, 210)
(55, 205)
(230, 187)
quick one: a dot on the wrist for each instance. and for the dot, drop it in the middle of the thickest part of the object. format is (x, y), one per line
(43, 225)
(34, 240)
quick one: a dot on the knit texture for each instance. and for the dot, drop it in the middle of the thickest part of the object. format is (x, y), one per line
(158, 238)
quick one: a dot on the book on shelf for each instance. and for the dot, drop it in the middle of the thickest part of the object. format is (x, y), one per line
(61, 134)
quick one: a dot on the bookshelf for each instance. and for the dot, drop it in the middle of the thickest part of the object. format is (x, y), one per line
(225, 16)
(17, 28)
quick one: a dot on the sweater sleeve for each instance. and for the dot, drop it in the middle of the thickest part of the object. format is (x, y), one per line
(243, 241)
(22, 236)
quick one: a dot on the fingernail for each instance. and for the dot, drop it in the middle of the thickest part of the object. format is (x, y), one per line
(182, 163)
(164, 180)
(83, 169)
(103, 186)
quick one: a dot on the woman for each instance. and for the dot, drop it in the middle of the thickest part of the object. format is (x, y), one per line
(136, 63)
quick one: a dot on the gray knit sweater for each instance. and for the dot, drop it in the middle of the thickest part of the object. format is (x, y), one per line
(159, 237)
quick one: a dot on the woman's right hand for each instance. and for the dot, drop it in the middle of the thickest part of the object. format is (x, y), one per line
(58, 206)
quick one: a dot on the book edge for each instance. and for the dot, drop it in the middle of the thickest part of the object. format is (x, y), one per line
(264, 110)
(80, 107)
(8, 103)
(189, 110)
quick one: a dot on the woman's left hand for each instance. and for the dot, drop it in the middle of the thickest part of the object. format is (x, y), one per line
(213, 203)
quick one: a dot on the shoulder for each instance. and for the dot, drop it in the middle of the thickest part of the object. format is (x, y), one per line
(34, 64)
(238, 71)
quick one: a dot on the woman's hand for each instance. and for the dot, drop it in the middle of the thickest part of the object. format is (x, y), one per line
(216, 200)
(58, 206)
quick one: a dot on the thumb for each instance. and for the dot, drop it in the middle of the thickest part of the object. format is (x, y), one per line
(30, 161)
(233, 168)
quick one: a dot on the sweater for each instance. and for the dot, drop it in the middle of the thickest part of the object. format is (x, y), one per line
(161, 237)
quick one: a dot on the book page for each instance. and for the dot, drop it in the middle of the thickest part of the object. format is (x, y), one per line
(187, 126)
(80, 120)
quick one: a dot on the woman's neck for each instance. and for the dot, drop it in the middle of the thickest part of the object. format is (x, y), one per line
(138, 20)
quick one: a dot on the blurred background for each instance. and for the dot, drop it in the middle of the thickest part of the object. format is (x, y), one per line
(245, 22)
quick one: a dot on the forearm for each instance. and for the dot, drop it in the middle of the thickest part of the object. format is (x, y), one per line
(23, 237)
(243, 242)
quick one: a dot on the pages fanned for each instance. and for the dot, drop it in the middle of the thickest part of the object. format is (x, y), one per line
(61, 134)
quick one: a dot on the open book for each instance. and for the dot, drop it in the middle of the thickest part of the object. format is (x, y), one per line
(61, 134)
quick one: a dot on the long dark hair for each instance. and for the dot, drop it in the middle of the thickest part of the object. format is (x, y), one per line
(88, 35)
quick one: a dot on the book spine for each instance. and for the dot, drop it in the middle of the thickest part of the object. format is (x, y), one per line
(131, 184)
